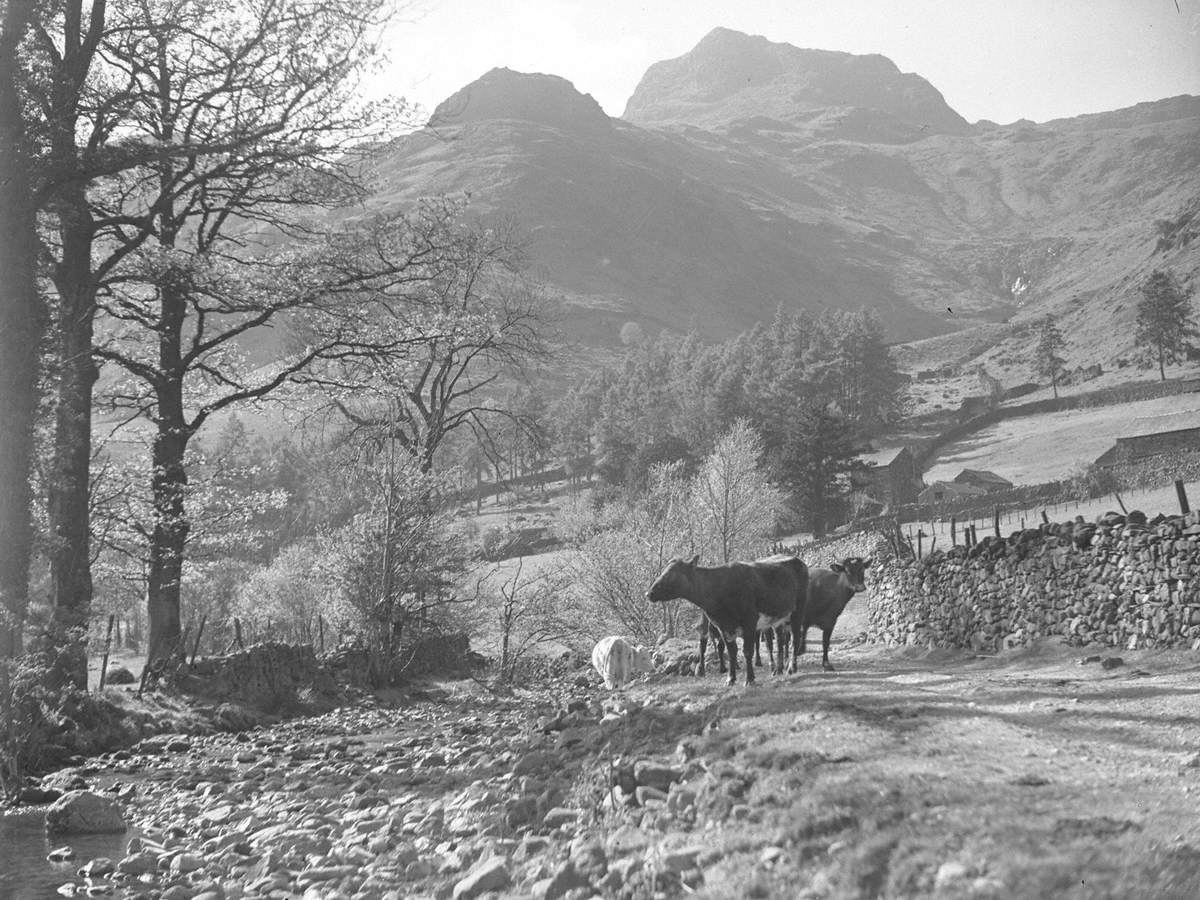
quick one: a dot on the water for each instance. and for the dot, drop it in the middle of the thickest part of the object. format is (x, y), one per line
(25, 874)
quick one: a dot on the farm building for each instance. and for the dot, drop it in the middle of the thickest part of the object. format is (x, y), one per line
(944, 491)
(981, 478)
(891, 476)
(1139, 446)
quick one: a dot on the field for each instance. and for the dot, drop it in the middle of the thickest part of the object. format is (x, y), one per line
(1035, 449)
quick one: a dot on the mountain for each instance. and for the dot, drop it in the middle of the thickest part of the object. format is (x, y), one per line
(748, 175)
(732, 78)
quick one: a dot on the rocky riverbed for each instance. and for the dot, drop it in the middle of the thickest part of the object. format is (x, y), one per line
(453, 798)
(1029, 774)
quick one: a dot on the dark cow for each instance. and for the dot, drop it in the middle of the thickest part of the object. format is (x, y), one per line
(737, 598)
(706, 629)
(829, 590)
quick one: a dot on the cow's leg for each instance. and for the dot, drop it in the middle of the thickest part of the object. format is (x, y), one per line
(703, 650)
(748, 641)
(783, 645)
(794, 664)
(757, 648)
(826, 634)
(769, 637)
(719, 640)
(730, 645)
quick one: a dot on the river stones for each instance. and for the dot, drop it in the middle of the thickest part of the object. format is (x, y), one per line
(489, 874)
(84, 812)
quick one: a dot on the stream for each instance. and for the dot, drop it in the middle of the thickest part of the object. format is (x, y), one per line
(25, 873)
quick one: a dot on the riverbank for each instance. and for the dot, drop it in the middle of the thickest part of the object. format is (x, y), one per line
(1043, 772)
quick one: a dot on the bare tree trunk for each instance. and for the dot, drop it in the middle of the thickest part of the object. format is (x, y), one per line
(70, 555)
(168, 542)
(21, 323)
(169, 480)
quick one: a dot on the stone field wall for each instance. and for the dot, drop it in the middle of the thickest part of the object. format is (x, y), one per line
(1122, 584)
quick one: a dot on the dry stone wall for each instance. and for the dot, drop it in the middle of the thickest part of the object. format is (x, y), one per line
(1120, 583)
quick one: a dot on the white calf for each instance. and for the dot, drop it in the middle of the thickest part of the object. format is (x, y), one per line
(617, 661)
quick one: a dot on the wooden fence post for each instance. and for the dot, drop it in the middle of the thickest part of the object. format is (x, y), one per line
(199, 634)
(107, 644)
(321, 632)
(1045, 518)
(1184, 508)
(996, 521)
(953, 532)
(920, 542)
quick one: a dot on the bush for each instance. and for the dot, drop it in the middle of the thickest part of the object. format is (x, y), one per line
(32, 714)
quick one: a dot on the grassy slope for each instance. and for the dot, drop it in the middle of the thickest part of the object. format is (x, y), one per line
(1033, 449)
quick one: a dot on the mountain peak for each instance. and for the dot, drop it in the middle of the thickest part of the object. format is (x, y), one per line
(731, 77)
(529, 97)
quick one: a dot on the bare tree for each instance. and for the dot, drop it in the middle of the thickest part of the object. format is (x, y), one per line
(737, 506)
(527, 609)
(470, 321)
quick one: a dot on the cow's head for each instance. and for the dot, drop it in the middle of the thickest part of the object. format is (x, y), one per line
(853, 572)
(675, 580)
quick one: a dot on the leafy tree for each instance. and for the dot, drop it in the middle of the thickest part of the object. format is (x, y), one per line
(1050, 344)
(815, 464)
(1165, 322)
(397, 560)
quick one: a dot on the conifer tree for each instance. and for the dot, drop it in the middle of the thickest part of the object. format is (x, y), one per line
(1164, 321)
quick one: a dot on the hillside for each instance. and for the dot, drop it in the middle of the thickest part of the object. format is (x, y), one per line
(746, 175)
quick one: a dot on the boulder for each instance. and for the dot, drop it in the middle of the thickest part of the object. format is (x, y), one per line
(84, 812)
(490, 874)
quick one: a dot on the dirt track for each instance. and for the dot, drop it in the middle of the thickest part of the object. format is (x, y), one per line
(910, 774)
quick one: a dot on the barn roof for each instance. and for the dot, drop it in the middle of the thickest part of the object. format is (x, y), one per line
(968, 476)
(884, 457)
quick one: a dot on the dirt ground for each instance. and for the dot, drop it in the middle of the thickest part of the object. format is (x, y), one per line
(910, 774)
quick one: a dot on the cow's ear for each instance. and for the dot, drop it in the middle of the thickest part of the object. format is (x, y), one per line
(695, 559)
(837, 567)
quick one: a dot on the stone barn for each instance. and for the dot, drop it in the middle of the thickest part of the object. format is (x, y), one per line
(1138, 447)
(891, 477)
(990, 482)
(947, 492)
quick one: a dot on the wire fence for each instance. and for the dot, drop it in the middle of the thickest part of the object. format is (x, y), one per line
(950, 530)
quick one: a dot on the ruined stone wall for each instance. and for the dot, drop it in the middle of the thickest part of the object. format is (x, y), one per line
(1115, 583)
(265, 676)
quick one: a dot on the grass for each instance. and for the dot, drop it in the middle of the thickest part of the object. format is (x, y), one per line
(1035, 449)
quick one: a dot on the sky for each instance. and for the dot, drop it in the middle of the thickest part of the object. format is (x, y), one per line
(1001, 60)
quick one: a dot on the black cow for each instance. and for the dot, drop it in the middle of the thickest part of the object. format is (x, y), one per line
(829, 590)
(737, 598)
